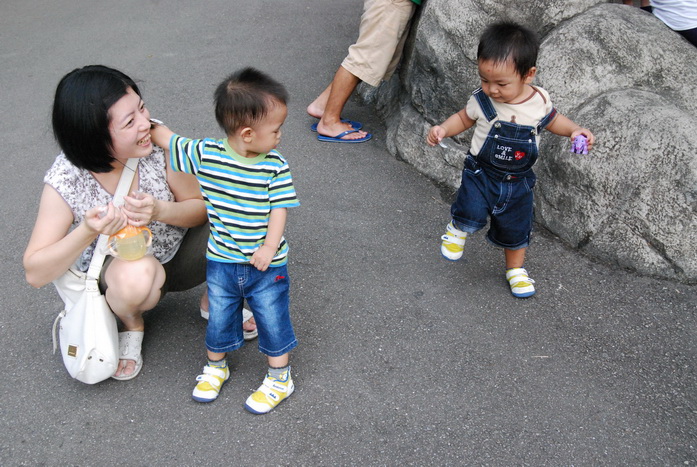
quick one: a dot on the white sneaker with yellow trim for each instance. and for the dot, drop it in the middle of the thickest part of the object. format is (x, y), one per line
(210, 382)
(453, 243)
(271, 393)
(520, 282)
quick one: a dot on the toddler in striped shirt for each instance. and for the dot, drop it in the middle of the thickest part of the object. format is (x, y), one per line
(247, 187)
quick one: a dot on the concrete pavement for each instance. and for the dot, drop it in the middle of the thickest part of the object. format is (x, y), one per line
(404, 358)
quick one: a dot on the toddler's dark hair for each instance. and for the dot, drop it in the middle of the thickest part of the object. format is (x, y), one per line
(245, 97)
(506, 40)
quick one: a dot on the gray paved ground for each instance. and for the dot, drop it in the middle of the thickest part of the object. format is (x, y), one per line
(404, 359)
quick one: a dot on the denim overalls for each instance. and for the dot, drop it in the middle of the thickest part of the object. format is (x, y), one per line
(498, 182)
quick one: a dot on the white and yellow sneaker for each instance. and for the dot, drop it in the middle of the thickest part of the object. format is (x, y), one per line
(271, 392)
(521, 284)
(453, 243)
(210, 382)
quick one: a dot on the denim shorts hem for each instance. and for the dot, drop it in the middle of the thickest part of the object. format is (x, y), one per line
(466, 227)
(268, 296)
(518, 246)
(278, 353)
(225, 349)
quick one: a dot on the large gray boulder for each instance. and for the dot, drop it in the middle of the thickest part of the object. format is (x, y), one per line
(614, 69)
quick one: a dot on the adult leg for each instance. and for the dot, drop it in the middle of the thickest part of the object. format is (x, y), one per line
(316, 108)
(338, 94)
(372, 58)
(133, 287)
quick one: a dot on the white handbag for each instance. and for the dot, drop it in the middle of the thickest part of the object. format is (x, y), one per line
(89, 339)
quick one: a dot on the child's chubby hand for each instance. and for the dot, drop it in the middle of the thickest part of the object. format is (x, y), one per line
(585, 132)
(160, 134)
(261, 259)
(435, 135)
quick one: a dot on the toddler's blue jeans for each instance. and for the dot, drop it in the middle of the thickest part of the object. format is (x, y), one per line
(268, 296)
(507, 200)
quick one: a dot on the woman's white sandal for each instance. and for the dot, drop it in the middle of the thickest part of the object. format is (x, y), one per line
(130, 343)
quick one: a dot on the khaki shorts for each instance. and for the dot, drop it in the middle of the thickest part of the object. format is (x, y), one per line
(381, 37)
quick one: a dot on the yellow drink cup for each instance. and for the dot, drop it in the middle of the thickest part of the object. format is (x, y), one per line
(130, 243)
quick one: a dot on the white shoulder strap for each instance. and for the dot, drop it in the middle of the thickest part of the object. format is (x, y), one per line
(121, 190)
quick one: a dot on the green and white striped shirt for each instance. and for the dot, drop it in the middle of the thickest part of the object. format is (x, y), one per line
(239, 192)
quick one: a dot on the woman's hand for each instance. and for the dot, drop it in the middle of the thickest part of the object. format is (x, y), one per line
(105, 219)
(140, 208)
(54, 246)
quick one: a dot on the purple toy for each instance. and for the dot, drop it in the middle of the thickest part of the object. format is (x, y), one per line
(580, 145)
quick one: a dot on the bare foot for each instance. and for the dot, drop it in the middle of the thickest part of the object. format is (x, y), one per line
(338, 128)
(316, 108)
(125, 368)
(249, 325)
(313, 110)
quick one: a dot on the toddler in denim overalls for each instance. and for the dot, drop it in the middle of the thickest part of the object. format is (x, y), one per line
(497, 181)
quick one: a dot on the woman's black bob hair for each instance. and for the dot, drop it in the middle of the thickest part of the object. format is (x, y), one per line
(81, 114)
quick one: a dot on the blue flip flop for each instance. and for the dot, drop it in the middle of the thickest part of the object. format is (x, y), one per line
(338, 138)
(354, 125)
